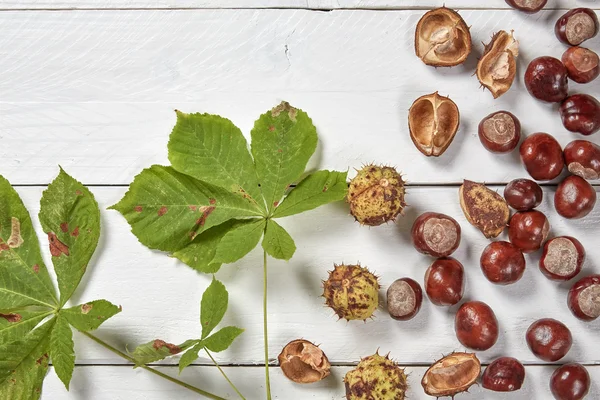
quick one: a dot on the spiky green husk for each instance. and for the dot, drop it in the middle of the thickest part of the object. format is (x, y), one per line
(376, 378)
(352, 292)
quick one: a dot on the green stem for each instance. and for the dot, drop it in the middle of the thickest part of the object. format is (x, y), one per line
(223, 373)
(265, 329)
(152, 370)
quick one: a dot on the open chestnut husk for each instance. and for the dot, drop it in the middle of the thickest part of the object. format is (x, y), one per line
(549, 339)
(433, 121)
(497, 66)
(583, 159)
(542, 156)
(502, 263)
(528, 230)
(570, 382)
(476, 325)
(581, 113)
(583, 65)
(576, 26)
(303, 362)
(484, 208)
(451, 375)
(523, 194)
(528, 6)
(546, 79)
(442, 38)
(445, 281)
(584, 298)
(500, 132)
(562, 258)
(435, 234)
(404, 299)
(506, 374)
(574, 198)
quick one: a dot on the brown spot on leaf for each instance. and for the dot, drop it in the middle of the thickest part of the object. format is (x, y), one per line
(64, 227)
(3, 246)
(86, 308)
(275, 203)
(162, 211)
(271, 128)
(36, 268)
(40, 360)
(173, 349)
(56, 246)
(193, 207)
(15, 240)
(11, 317)
(279, 150)
(325, 188)
(138, 209)
(212, 201)
(206, 211)
(284, 106)
(79, 192)
(75, 232)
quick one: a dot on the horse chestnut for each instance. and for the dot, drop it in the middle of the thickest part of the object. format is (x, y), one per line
(523, 194)
(582, 64)
(444, 281)
(528, 230)
(502, 263)
(584, 298)
(404, 299)
(581, 113)
(435, 234)
(476, 325)
(528, 6)
(570, 382)
(562, 258)
(500, 132)
(576, 26)
(583, 159)
(542, 156)
(546, 79)
(506, 374)
(549, 339)
(574, 198)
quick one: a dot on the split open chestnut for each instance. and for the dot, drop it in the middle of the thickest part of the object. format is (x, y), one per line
(451, 375)
(583, 159)
(445, 281)
(584, 298)
(542, 156)
(583, 65)
(436, 234)
(570, 382)
(497, 66)
(562, 258)
(502, 263)
(574, 198)
(500, 132)
(546, 79)
(549, 339)
(404, 299)
(528, 6)
(506, 374)
(580, 113)
(528, 230)
(442, 38)
(433, 121)
(523, 194)
(476, 325)
(576, 26)
(303, 362)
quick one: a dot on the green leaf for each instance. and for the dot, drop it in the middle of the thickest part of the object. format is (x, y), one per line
(157, 350)
(17, 324)
(222, 339)
(24, 279)
(89, 316)
(70, 216)
(26, 379)
(315, 190)
(283, 140)
(277, 242)
(212, 149)
(190, 356)
(239, 241)
(62, 352)
(167, 209)
(213, 306)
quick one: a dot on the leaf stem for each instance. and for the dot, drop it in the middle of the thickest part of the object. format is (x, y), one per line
(265, 329)
(224, 375)
(152, 370)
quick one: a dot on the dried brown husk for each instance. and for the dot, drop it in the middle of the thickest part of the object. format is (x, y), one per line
(484, 208)
(442, 38)
(304, 362)
(433, 121)
(497, 68)
(451, 375)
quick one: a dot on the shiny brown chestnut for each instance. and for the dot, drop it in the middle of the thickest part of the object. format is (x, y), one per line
(583, 65)
(502, 263)
(500, 132)
(546, 79)
(506, 374)
(580, 113)
(528, 230)
(584, 298)
(542, 156)
(523, 194)
(576, 26)
(404, 299)
(444, 281)
(570, 382)
(574, 198)
(528, 6)
(562, 258)
(476, 325)
(583, 159)
(549, 339)
(435, 234)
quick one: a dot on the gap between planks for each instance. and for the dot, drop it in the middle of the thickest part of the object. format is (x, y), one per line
(408, 185)
(389, 8)
(334, 364)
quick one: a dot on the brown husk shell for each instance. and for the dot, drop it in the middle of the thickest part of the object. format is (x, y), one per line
(303, 362)
(433, 121)
(451, 375)
(497, 68)
(484, 208)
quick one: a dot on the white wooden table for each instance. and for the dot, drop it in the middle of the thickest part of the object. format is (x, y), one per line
(92, 84)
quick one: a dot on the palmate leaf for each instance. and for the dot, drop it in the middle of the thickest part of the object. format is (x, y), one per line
(89, 316)
(62, 351)
(213, 306)
(277, 242)
(15, 325)
(157, 350)
(167, 209)
(239, 241)
(71, 218)
(283, 140)
(24, 279)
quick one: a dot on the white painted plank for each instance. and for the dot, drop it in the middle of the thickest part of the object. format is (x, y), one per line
(160, 296)
(95, 91)
(122, 383)
(306, 4)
